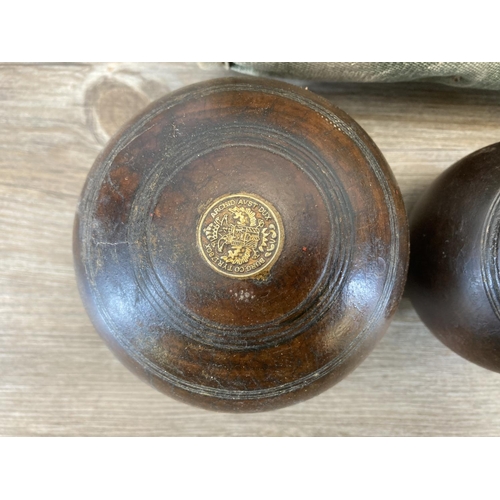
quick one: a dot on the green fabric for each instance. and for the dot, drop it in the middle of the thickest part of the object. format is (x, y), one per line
(484, 75)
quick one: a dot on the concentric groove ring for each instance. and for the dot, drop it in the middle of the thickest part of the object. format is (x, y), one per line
(490, 266)
(285, 327)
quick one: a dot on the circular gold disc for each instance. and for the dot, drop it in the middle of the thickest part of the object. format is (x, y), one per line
(240, 235)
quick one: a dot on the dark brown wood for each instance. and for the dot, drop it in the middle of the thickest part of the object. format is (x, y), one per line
(241, 245)
(454, 280)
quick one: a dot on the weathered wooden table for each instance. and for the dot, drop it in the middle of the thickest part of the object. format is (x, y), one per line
(58, 378)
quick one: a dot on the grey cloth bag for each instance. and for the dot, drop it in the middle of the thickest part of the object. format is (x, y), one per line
(485, 75)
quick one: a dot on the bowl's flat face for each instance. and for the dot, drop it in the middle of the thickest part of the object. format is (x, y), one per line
(241, 244)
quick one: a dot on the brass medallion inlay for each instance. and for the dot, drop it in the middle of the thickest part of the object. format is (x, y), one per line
(240, 235)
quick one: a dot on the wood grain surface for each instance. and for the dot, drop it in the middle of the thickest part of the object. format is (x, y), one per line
(57, 378)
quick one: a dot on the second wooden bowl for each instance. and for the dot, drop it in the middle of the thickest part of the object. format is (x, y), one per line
(454, 278)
